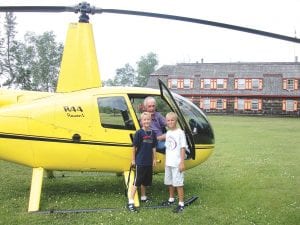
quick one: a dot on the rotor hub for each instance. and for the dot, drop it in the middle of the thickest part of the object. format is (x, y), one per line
(84, 9)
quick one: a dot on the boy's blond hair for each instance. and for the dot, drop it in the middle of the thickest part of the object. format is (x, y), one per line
(145, 114)
(172, 115)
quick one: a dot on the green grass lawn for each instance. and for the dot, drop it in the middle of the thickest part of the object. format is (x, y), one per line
(252, 178)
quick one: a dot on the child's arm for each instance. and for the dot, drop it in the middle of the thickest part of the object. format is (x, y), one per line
(181, 164)
(182, 151)
(154, 156)
(133, 156)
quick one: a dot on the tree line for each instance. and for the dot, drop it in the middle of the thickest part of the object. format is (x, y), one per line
(34, 62)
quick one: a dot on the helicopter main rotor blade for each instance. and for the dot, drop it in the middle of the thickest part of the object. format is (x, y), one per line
(84, 8)
(39, 9)
(200, 21)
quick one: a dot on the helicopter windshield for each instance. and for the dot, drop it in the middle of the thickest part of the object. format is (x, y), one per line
(192, 119)
(197, 121)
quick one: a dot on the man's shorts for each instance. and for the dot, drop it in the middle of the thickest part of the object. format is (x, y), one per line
(143, 176)
(173, 176)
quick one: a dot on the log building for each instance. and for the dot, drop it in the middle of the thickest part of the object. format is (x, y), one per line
(236, 88)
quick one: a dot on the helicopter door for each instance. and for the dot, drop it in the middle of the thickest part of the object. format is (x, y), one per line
(166, 95)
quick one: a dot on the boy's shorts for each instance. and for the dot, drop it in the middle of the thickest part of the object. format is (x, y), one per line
(173, 176)
(143, 176)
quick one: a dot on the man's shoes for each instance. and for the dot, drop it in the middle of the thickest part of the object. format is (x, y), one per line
(132, 208)
(178, 209)
(167, 203)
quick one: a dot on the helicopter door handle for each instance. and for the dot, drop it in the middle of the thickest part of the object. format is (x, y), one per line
(76, 137)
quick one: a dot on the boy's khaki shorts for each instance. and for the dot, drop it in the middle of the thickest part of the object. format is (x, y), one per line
(173, 176)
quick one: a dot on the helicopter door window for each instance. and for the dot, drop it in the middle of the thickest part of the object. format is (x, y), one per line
(114, 113)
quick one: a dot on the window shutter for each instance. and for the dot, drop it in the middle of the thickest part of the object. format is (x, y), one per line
(296, 84)
(225, 83)
(191, 83)
(212, 103)
(284, 84)
(260, 84)
(211, 84)
(295, 105)
(201, 103)
(235, 103)
(284, 105)
(180, 83)
(249, 104)
(235, 83)
(259, 104)
(201, 83)
(248, 84)
(169, 83)
(224, 103)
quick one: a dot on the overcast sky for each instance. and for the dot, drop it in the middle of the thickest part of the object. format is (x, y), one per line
(122, 39)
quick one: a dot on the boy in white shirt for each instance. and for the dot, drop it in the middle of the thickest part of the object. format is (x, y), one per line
(174, 168)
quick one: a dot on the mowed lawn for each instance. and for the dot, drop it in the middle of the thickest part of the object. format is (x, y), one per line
(252, 178)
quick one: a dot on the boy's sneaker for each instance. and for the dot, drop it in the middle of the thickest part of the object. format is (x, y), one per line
(145, 200)
(131, 208)
(178, 209)
(167, 203)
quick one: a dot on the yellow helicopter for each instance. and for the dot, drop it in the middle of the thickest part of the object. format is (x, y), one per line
(84, 126)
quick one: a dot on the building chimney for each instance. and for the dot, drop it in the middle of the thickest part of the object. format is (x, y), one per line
(202, 60)
(296, 58)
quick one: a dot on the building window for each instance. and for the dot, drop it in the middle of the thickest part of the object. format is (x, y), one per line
(254, 104)
(174, 83)
(220, 83)
(241, 104)
(186, 83)
(289, 105)
(219, 104)
(241, 83)
(290, 84)
(206, 103)
(207, 83)
(255, 83)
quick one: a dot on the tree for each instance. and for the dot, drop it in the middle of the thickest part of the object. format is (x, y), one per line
(109, 82)
(145, 67)
(125, 76)
(32, 64)
(24, 61)
(1, 53)
(9, 45)
(46, 57)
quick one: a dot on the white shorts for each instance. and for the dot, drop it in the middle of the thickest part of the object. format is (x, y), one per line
(173, 176)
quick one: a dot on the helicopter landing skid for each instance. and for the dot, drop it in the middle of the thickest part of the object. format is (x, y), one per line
(186, 203)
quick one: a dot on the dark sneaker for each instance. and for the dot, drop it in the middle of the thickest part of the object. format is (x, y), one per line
(146, 200)
(167, 203)
(178, 209)
(131, 208)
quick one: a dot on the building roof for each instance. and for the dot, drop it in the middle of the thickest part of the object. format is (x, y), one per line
(239, 69)
(272, 74)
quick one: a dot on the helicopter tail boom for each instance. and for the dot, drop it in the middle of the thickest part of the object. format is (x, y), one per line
(11, 97)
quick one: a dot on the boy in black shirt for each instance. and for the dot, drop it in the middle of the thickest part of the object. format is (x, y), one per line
(143, 158)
